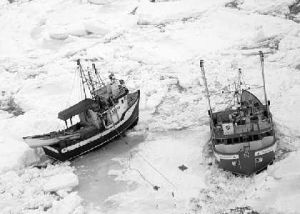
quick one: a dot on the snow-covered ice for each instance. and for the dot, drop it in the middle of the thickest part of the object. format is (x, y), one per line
(34, 190)
(156, 47)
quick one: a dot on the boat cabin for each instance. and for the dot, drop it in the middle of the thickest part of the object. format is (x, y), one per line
(114, 90)
(251, 116)
(249, 125)
(102, 112)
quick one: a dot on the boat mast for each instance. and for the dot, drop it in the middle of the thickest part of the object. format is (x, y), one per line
(239, 80)
(91, 82)
(86, 78)
(81, 76)
(239, 85)
(263, 77)
(205, 84)
(97, 74)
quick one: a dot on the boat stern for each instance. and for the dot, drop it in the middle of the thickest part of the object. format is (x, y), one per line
(246, 162)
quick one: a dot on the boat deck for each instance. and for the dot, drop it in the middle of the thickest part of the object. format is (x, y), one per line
(238, 122)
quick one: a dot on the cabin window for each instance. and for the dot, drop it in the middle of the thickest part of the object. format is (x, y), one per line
(215, 121)
(229, 141)
(87, 114)
(241, 122)
(236, 140)
(218, 141)
(266, 134)
(122, 101)
(249, 138)
(255, 137)
(241, 139)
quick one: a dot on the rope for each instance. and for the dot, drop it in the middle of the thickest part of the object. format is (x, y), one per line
(129, 165)
(142, 176)
(150, 164)
(154, 168)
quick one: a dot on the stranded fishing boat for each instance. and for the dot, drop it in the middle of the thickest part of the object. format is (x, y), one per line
(243, 138)
(109, 112)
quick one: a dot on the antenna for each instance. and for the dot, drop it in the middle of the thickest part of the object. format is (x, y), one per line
(205, 84)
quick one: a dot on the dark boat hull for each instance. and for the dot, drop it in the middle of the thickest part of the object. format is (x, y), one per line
(63, 152)
(246, 163)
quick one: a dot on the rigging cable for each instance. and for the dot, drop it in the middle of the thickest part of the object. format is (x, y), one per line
(72, 89)
(81, 86)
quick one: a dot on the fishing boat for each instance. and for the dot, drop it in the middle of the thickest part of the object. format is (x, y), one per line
(243, 137)
(106, 112)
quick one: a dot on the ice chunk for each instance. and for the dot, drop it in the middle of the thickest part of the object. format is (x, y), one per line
(70, 204)
(58, 35)
(76, 30)
(163, 12)
(101, 2)
(96, 27)
(277, 7)
(61, 181)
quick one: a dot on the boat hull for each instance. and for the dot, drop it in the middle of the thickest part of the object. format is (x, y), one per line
(62, 152)
(246, 163)
(35, 141)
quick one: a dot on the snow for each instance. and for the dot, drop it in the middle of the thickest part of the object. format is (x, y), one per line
(154, 47)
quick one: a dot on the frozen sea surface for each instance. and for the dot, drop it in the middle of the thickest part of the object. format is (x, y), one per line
(154, 47)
